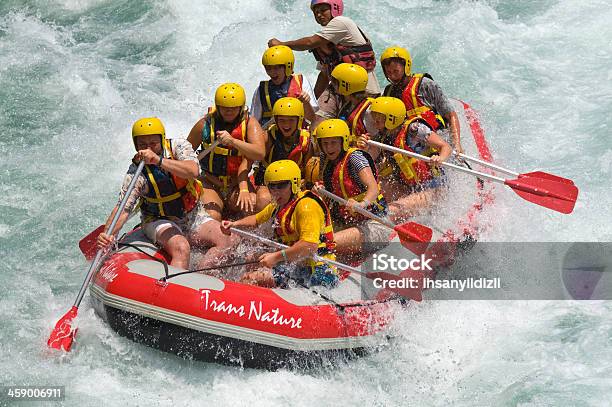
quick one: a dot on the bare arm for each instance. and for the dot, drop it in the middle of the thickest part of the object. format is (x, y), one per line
(309, 113)
(120, 222)
(185, 169)
(455, 130)
(254, 148)
(248, 222)
(107, 237)
(444, 149)
(299, 250)
(367, 177)
(243, 173)
(195, 135)
(302, 44)
(321, 84)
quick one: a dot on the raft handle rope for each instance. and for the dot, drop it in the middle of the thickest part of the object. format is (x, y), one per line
(223, 266)
(165, 264)
(246, 263)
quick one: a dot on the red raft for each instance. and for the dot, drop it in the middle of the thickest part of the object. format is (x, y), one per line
(202, 317)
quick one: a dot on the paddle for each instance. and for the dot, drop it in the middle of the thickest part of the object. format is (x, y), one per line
(210, 148)
(551, 194)
(534, 174)
(63, 335)
(89, 244)
(414, 292)
(413, 236)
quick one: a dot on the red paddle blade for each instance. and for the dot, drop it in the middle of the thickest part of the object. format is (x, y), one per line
(408, 284)
(558, 196)
(545, 175)
(414, 236)
(63, 334)
(88, 243)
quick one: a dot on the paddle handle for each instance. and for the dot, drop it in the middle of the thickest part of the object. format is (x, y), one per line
(487, 164)
(94, 264)
(364, 212)
(209, 149)
(444, 164)
(278, 245)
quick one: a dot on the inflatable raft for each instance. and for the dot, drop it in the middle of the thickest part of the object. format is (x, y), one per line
(206, 318)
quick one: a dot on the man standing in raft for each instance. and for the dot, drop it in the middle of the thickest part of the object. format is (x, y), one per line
(226, 168)
(301, 220)
(421, 95)
(172, 215)
(279, 63)
(340, 40)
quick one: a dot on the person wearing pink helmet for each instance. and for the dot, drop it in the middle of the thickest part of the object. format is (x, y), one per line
(340, 40)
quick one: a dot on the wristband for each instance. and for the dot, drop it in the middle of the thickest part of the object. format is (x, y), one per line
(161, 158)
(244, 190)
(284, 253)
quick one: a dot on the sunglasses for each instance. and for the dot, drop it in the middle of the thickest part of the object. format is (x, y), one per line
(279, 185)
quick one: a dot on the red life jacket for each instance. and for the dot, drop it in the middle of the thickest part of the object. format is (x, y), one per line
(222, 161)
(268, 98)
(414, 104)
(334, 54)
(355, 118)
(289, 236)
(411, 170)
(277, 151)
(343, 184)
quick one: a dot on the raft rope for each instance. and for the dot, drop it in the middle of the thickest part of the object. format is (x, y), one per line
(221, 267)
(167, 276)
(165, 264)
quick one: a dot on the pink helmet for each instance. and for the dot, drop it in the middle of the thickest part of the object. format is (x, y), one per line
(336, 6)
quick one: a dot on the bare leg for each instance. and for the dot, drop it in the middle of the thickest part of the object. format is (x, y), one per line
(261, 277)
(212, 201)
(348, 241)
(263, 198)
(409, 206)
(177, 246)
(209, 235)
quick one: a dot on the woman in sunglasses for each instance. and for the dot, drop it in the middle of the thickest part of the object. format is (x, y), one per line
(300, 220)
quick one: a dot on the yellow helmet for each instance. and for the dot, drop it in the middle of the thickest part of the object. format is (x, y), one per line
(289, 107)
(284, 170)
(312, 170)
(393, 109)
(279, 55)
(230, 95)
(334, 128)
(397, 52)
(148, 126)
(352, 78)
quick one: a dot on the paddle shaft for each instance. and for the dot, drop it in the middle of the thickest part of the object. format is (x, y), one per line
(357, 209)
(444, 164)
(488, 164)
(94, 264)
(278, 245)
(209, 149)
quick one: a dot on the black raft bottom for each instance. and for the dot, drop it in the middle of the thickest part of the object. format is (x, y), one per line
(196, 345)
